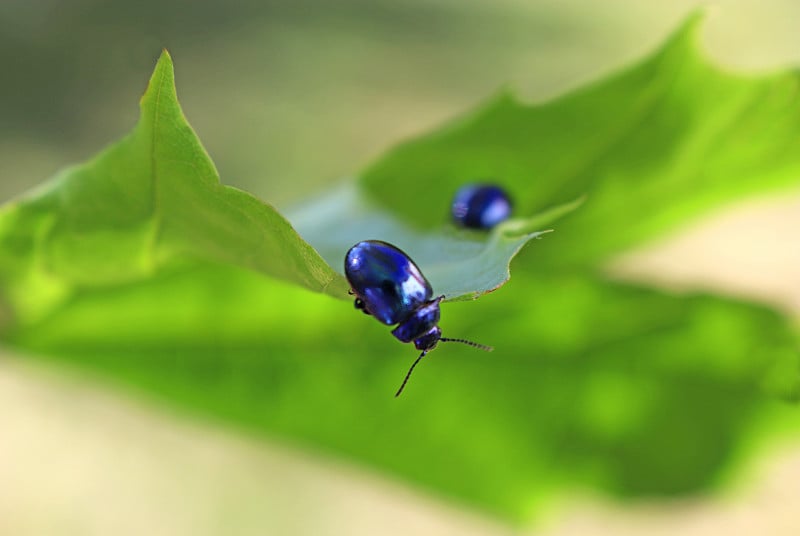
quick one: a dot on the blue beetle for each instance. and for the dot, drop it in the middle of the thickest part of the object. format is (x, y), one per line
(389, 286)
(480, 206)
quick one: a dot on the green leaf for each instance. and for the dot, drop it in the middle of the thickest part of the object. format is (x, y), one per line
(650, 148)
(146, 201)
(626, 389)
(155, 198)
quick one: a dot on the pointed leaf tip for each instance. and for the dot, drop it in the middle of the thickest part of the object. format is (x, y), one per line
(164, 60)
(163, 77)
(687, 34)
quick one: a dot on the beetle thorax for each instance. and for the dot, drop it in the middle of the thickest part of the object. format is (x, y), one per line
(421, 326)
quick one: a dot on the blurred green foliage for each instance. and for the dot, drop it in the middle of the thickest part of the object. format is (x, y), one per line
(650, 148)
(593, 383)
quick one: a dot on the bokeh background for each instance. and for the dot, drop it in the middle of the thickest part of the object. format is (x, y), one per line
(289, 97)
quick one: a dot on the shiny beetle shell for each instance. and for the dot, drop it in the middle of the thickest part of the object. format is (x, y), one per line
(386, 280)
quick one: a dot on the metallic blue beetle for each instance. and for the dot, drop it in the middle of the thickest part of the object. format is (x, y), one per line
(480, 206)
(389, 286)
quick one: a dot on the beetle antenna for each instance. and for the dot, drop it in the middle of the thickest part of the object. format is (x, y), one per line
(409, 373)
(469, 343)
